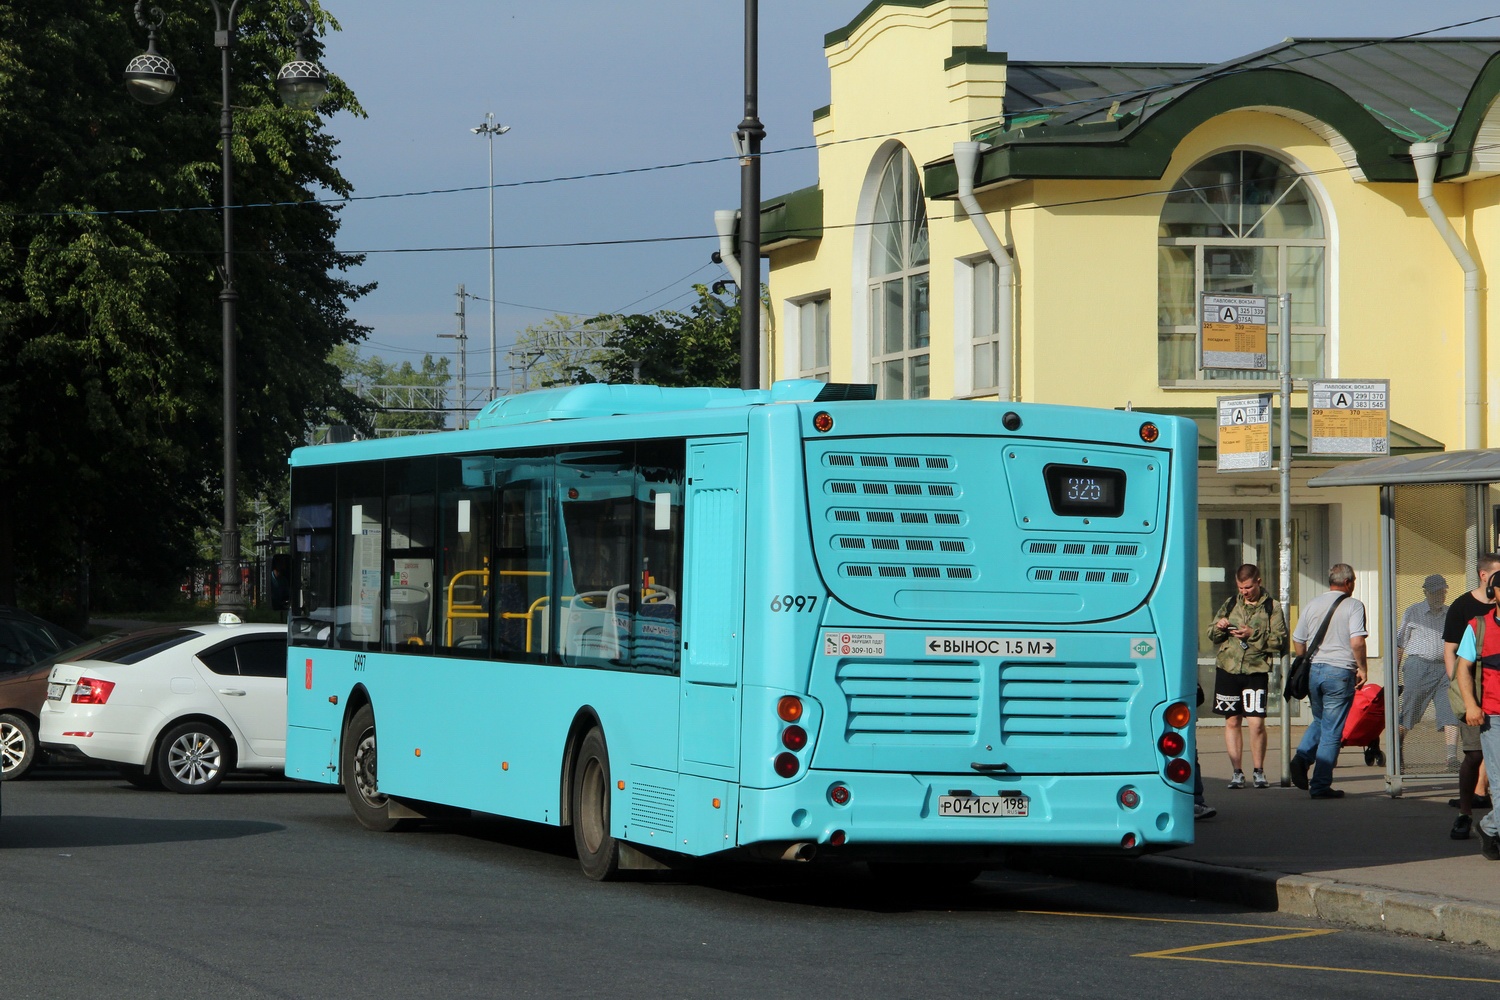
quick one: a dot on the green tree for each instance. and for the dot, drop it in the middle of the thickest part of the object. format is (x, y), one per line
(404, 397)
(698, 347)
(110, 356)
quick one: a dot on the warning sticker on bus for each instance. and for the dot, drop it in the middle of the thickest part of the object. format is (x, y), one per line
(853, 643)
(969, 645)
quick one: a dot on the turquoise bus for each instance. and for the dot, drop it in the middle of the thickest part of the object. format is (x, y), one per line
(792, 623)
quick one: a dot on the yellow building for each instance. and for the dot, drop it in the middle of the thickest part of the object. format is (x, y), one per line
(1106, 198)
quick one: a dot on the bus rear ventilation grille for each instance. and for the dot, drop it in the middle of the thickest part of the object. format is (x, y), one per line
(878, 544)
(844, 460)
(1053, 548)
(947, 518)
(1053, 574)
(868, 488)
(868, 571)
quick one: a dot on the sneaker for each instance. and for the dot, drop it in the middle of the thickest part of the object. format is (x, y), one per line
(1298, 767)
(1259, 779)
(1461, 827)
(1329, 793)
(1489, 846)
(1238, 781)
(1204, 812)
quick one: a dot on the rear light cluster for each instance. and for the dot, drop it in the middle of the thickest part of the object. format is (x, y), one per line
(793, 736)
(92, 691)
(1173, 744)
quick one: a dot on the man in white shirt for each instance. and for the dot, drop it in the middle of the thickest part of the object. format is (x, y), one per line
(1338, 668)
(1419, 655)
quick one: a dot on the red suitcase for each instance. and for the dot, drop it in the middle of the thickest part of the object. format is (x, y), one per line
(1366, 719)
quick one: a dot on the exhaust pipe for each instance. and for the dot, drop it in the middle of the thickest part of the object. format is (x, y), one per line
(800, 852)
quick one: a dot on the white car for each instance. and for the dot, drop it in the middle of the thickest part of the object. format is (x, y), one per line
(178, 706)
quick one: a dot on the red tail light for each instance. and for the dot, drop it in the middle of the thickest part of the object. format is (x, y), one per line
(1172, 744)
(786, 764)
(1179, 770)
(92, 691)
(794, 737)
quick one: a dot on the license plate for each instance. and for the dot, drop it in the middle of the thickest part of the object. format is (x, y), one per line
(1010, 804)
(55, 691)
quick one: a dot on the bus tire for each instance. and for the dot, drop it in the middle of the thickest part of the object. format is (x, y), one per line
(358, 764)
(598, 852)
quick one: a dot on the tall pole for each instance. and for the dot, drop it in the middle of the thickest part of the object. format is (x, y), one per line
(231, 600)
(751, 132)
(489, 118)
(489, 129)
(1284, 360)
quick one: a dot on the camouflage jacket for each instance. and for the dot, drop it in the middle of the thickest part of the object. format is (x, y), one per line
(1268, 635)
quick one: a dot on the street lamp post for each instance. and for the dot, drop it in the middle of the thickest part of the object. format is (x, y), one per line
(151, 79)
(748, 137)
(489, 129)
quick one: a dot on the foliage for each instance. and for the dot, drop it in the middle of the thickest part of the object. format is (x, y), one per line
(699, 347)
(395, 390)
(110, 315)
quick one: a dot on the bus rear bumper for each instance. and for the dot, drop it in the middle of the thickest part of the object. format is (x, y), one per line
(1117, 813)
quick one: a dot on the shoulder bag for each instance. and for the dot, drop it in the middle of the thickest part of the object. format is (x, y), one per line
(1297, 677)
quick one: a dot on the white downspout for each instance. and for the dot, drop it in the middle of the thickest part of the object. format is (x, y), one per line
(724, 221)
(965, 158)
(1424, 157)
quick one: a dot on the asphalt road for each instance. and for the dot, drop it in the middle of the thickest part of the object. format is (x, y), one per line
(270, 889)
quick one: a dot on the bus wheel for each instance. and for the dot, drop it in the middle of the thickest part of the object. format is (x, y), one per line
(358, 765)
(598, 852)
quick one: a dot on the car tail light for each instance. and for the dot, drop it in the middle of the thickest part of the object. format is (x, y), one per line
(1179, 770)
(1172, 744)
(794, 737)
(786, 764)
(92, 691)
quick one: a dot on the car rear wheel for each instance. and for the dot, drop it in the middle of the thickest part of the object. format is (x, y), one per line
(192, 757)
(17, 746)
(598, 852)
(360, 767)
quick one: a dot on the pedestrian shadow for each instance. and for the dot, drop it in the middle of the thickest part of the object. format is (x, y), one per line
(64, 832)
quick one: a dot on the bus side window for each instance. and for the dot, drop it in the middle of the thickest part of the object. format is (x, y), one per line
(411, 507)
(656, 626)
(595, 488)
(463, 591)
(312, 582)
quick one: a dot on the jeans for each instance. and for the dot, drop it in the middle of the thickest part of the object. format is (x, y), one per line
(1330, 692)
(1489, 742)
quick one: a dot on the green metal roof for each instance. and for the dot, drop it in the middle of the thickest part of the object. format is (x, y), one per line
(1380, 95)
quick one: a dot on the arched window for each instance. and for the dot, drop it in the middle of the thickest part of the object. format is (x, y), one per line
(1241, 222)
(900, 332)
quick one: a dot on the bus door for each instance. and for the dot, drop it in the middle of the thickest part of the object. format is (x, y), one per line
(713, 616)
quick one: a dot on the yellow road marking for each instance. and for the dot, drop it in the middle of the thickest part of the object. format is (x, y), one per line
(1182, 954)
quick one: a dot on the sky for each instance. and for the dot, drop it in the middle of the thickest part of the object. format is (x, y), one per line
(613, 87)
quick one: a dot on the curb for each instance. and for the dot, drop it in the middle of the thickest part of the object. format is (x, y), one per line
(1438, 918)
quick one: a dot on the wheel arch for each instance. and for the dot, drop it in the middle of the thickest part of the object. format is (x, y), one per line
(359, 697)
(231, 743)
(585, 720)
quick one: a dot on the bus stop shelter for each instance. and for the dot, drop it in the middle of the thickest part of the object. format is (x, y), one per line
(1438, 512)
